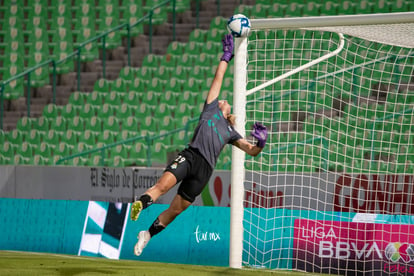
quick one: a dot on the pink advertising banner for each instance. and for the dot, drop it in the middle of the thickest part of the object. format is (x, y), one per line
(352, 248)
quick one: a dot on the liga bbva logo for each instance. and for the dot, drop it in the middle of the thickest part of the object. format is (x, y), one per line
(396, 251)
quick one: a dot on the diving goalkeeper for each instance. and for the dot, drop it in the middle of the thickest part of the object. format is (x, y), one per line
(194, 165)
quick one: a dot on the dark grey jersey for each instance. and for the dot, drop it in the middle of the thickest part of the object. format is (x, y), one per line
(212, 133)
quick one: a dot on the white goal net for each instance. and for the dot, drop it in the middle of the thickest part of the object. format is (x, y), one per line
(332, 191)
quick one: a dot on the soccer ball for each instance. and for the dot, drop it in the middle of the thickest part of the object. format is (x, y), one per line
(239, 25)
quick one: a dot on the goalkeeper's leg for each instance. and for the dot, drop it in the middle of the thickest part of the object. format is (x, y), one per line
(164, 184)
(139, 204)
(177, 206)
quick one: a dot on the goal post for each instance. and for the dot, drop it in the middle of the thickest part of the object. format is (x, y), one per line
(332, 190)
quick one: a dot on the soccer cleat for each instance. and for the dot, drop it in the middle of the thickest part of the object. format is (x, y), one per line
(143, 239)
(136, 208)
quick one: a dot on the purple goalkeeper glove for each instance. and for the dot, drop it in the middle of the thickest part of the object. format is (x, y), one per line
(260, 133)
(227, 48)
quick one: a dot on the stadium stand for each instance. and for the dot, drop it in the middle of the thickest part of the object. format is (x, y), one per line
(160, 91)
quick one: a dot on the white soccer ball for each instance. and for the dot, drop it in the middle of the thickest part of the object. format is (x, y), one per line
(239, 25)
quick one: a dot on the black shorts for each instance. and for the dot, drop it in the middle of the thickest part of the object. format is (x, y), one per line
(193, 171)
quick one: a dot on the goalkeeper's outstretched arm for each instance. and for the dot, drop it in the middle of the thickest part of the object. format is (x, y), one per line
(215, 87)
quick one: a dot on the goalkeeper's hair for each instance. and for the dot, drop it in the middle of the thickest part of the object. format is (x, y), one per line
(231, 119)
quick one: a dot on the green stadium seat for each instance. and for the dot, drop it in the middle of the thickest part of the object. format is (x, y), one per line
(131, 12)
(399, 6)
(88, 111)
(211, 48)
(62, 48)
(120, 86)
(108, 14)
(78, 161)
(76, 124)
(89, 138)
(102, 85)
(364, 7)
(149, 123)
(70, 111)
(8, 150)
(25, 150)
(138, 154)
(168, 123)
(125, 134)
(382, 6)
(181, 73)
(117, 162)
(184, 110)
(20, 160)
(78, 98)
(139, 85)
(180, 138)
(144, 110)
(311, 9)
(346, 7)
(158, 153)
(84, 29)
(152, 61)
(63, 149)
(70, 137)
(25, 123)
(82, 147)
(151, 98)
(94, 123)
(94, 161)
(188, 60)
(176, 48)
(162, 110)
(128, 74)
(121, 150)
(51, 137)
(294, 10)
(95, 98)
(329, 8)
(16, 136)
(131, 124)
(86, 18)
(61, 15)
(133, 99)
(194, 85)
(44, 149)
(34, 137)
(170, 61)
(15, 9)
(112, 123)
(41, 124)
(37, 15)
(58, 124)
(14, 89)
(170, 97)
(124, 111)
(106, 111)
(106, 137)
(89, 51)
(113, 98)
(159, 15)
(39, 160)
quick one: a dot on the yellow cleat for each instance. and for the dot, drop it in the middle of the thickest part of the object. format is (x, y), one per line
(136, 208)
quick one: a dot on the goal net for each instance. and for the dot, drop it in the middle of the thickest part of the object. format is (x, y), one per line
(332, 191)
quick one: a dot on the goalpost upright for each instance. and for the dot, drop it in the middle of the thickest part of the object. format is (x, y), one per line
(394, 29)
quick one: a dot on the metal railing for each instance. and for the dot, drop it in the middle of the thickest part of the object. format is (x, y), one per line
(147, 138)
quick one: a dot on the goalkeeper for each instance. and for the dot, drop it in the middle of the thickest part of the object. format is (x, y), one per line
(194, 165)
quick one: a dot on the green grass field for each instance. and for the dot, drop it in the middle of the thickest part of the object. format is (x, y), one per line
(28, 263)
